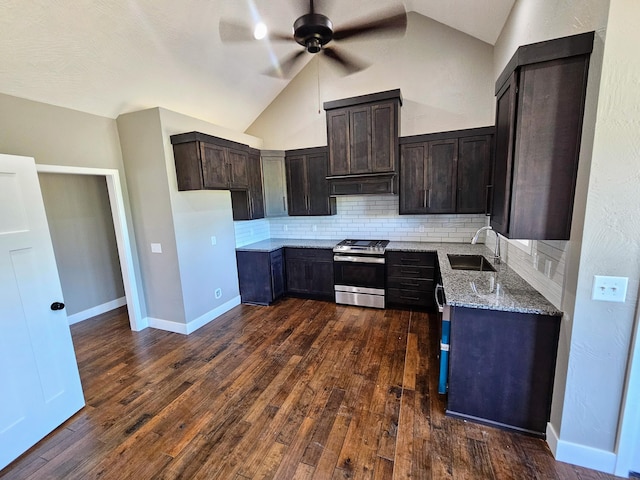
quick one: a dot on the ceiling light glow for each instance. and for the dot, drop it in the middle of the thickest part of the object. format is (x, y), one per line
(260, 31)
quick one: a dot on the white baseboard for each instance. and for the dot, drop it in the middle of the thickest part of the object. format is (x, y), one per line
(97, 310)
(192, 326)
(581, 455)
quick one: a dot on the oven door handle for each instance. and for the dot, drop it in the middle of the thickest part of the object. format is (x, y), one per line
(358, 259)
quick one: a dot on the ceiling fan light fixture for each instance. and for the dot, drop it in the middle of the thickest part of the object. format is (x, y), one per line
(313, 45)
(260, 31)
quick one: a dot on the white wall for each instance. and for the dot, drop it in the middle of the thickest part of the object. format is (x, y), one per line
(446, 79)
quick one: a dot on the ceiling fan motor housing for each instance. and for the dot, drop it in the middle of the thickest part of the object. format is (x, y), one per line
(313, 31)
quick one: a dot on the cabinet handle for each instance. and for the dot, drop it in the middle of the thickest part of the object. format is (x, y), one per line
(405, 297)
(407, 284)
(487, 200)
(424, 199)
(429, 198)
(284, 205)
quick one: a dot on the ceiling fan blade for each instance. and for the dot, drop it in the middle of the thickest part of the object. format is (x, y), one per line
(392, 22)
(349, 64)
(285, 67)
(231, 32)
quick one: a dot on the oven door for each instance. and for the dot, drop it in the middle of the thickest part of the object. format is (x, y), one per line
(359, 271)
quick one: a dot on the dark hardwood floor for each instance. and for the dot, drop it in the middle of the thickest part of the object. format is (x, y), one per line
(302, 389)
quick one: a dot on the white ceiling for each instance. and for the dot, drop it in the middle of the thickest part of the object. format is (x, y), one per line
(109, 57)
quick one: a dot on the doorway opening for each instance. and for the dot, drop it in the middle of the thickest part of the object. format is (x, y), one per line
(123, 242)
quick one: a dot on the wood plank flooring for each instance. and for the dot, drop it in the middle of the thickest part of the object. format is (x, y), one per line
(303, 389)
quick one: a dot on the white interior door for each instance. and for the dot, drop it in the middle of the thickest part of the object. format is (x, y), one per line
(39, 381)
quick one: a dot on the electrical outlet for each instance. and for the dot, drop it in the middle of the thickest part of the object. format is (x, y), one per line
(314, 228)
(214, 240)
(609, 289)
(421, 229)
(285, 228)
(547, 268)
(218, 292)
(156, 248)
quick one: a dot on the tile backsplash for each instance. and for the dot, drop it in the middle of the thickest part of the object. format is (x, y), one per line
(371, 216)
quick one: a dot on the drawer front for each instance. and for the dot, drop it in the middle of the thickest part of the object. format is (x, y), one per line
(411, 284)
(423, 259)
(319, 254)
(410, 271)
(409, 298)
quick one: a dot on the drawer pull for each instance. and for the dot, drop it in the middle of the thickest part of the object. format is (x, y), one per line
(405, 284)
(404, 297)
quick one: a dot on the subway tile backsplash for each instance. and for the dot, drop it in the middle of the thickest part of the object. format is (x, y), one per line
(371, 216)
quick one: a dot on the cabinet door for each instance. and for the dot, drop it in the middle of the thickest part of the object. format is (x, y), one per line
(238, 168)
(338, 141)
(384, 137)
(277, 274)
(275, 186)
(545, 160)
(474, 174)
(360, 136)
(321, 281)
(297, 275)
(413, 178)
(297, 185)
(503, 157)
(254, 274)
(256, 198)
(214, 166)
(441, 176)
(318, 188)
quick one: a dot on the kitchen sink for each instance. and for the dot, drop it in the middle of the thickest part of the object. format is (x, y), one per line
(477, 263)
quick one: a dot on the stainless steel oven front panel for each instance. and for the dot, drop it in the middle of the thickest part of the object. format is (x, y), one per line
(364, 290)
(360, 299)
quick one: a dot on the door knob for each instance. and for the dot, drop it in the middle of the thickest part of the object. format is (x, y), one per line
(57, 306)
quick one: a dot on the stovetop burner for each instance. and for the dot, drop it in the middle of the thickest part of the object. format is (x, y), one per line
(371, 247)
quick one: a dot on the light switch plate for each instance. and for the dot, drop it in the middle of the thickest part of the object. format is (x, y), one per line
(609, 289)
(156, 248)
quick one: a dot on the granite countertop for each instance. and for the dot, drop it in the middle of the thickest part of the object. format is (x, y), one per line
(272, 244)
(503, 290)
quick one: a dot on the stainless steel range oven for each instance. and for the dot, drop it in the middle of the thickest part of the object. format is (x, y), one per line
(359, 272)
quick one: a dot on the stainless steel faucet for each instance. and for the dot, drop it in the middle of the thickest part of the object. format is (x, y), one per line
(496, 254)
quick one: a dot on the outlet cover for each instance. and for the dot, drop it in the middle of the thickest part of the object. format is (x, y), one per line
(214, 240)
(609, 289)
(156, 248)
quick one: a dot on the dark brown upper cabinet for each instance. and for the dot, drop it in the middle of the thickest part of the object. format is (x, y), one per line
(307, 186)
(205, 162)
(539, 109)
(447, 172)
(362, 136)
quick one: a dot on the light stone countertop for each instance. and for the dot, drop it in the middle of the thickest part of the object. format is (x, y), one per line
(502, 290)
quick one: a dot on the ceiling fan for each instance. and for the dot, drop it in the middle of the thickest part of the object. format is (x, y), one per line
(314, 31)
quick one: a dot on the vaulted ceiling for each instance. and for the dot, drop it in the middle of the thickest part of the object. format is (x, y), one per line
(109, 57)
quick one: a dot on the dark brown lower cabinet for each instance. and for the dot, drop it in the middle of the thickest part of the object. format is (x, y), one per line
(501, 368)
(310, 272)
(261, 276)
(410, 279)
